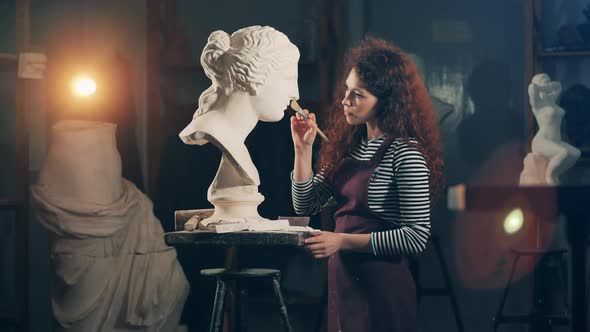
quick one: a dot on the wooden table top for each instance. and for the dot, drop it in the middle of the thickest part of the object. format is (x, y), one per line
(244, 238)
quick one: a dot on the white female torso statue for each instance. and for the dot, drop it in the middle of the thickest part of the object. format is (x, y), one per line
(550, 156)
(99, 170)
(254, 77)
(111, 270)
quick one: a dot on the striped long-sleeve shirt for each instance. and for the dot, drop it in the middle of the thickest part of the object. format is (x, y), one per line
(398, 194)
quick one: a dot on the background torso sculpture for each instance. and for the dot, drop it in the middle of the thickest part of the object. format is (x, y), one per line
(111, 268)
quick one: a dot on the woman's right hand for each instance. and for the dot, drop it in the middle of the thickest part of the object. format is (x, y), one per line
(303, 131)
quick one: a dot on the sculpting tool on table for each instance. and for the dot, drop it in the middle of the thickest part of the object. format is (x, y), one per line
(298, 109)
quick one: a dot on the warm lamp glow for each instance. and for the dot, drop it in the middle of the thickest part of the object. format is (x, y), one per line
(513, 222)
(83, 86)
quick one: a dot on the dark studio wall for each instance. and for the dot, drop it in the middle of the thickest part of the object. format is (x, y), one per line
(472, 57)
(8, 160)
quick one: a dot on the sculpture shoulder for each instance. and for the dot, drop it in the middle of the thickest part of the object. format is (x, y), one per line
(200, 130)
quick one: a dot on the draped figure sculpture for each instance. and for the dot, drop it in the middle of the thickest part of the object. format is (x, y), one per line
(253, 76)
(111, 270)
(550, 155)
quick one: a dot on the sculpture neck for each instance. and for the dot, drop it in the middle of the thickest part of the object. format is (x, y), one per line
(83, 163)
(238, 110)
(230, 180)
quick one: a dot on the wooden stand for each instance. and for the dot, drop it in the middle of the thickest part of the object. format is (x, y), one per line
(547, 203)
(232, 273)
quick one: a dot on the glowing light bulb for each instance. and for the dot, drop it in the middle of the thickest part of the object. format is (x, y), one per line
(513, 221)
(84, 86)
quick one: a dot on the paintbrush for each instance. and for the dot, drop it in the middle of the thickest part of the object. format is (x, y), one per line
(298, 109)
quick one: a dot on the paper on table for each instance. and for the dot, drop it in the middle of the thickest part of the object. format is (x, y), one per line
(261, 226)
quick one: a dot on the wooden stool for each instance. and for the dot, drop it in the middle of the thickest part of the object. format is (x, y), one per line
(447, 290)
(223, 277)
(540, 318)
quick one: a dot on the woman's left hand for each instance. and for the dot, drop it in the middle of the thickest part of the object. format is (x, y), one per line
(324, 244)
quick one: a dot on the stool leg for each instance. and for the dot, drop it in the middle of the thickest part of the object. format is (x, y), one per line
(242, 307)
(217, 315)
(445, 272)
(323, 309)
(563, 274)
(279, 295)
(414, 267)
(505, 294)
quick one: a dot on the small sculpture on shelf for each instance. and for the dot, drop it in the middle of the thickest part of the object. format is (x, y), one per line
(254, 77)
(550, 155)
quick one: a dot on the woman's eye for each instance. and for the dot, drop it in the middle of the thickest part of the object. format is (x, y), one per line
(358, 95)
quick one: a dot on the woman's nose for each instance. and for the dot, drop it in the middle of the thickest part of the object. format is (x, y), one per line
(345, 101)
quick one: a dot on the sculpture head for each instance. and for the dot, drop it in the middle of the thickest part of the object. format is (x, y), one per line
(258, 61)
(543, 91)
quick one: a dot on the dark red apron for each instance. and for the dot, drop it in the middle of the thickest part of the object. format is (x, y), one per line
(366, 293)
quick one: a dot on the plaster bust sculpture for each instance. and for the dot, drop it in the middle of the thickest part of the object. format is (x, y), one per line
(254, 76)
(111, 270)
(547, 143)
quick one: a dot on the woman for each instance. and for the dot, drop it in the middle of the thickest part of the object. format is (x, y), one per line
(381, 166)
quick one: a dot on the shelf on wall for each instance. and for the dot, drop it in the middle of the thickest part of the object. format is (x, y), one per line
(10, 204)
(549, 54)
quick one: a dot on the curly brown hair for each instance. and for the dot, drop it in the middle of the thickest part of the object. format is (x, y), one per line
(404, 108)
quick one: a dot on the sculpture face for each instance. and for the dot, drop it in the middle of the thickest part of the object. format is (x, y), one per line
(273, 98)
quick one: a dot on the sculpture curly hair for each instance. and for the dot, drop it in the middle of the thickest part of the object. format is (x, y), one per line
(404, 108)
(243, 61)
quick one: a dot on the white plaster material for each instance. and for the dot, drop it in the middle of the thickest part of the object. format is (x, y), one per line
(535, 170)
(253, 76)
(192, 223)
(189, 221)
(111, 270)
(547, 143)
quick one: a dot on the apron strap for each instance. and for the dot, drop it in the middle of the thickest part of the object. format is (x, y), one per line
(382, 149)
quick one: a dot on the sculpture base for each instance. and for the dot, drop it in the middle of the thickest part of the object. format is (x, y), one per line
(239, 213)
(236, 208)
